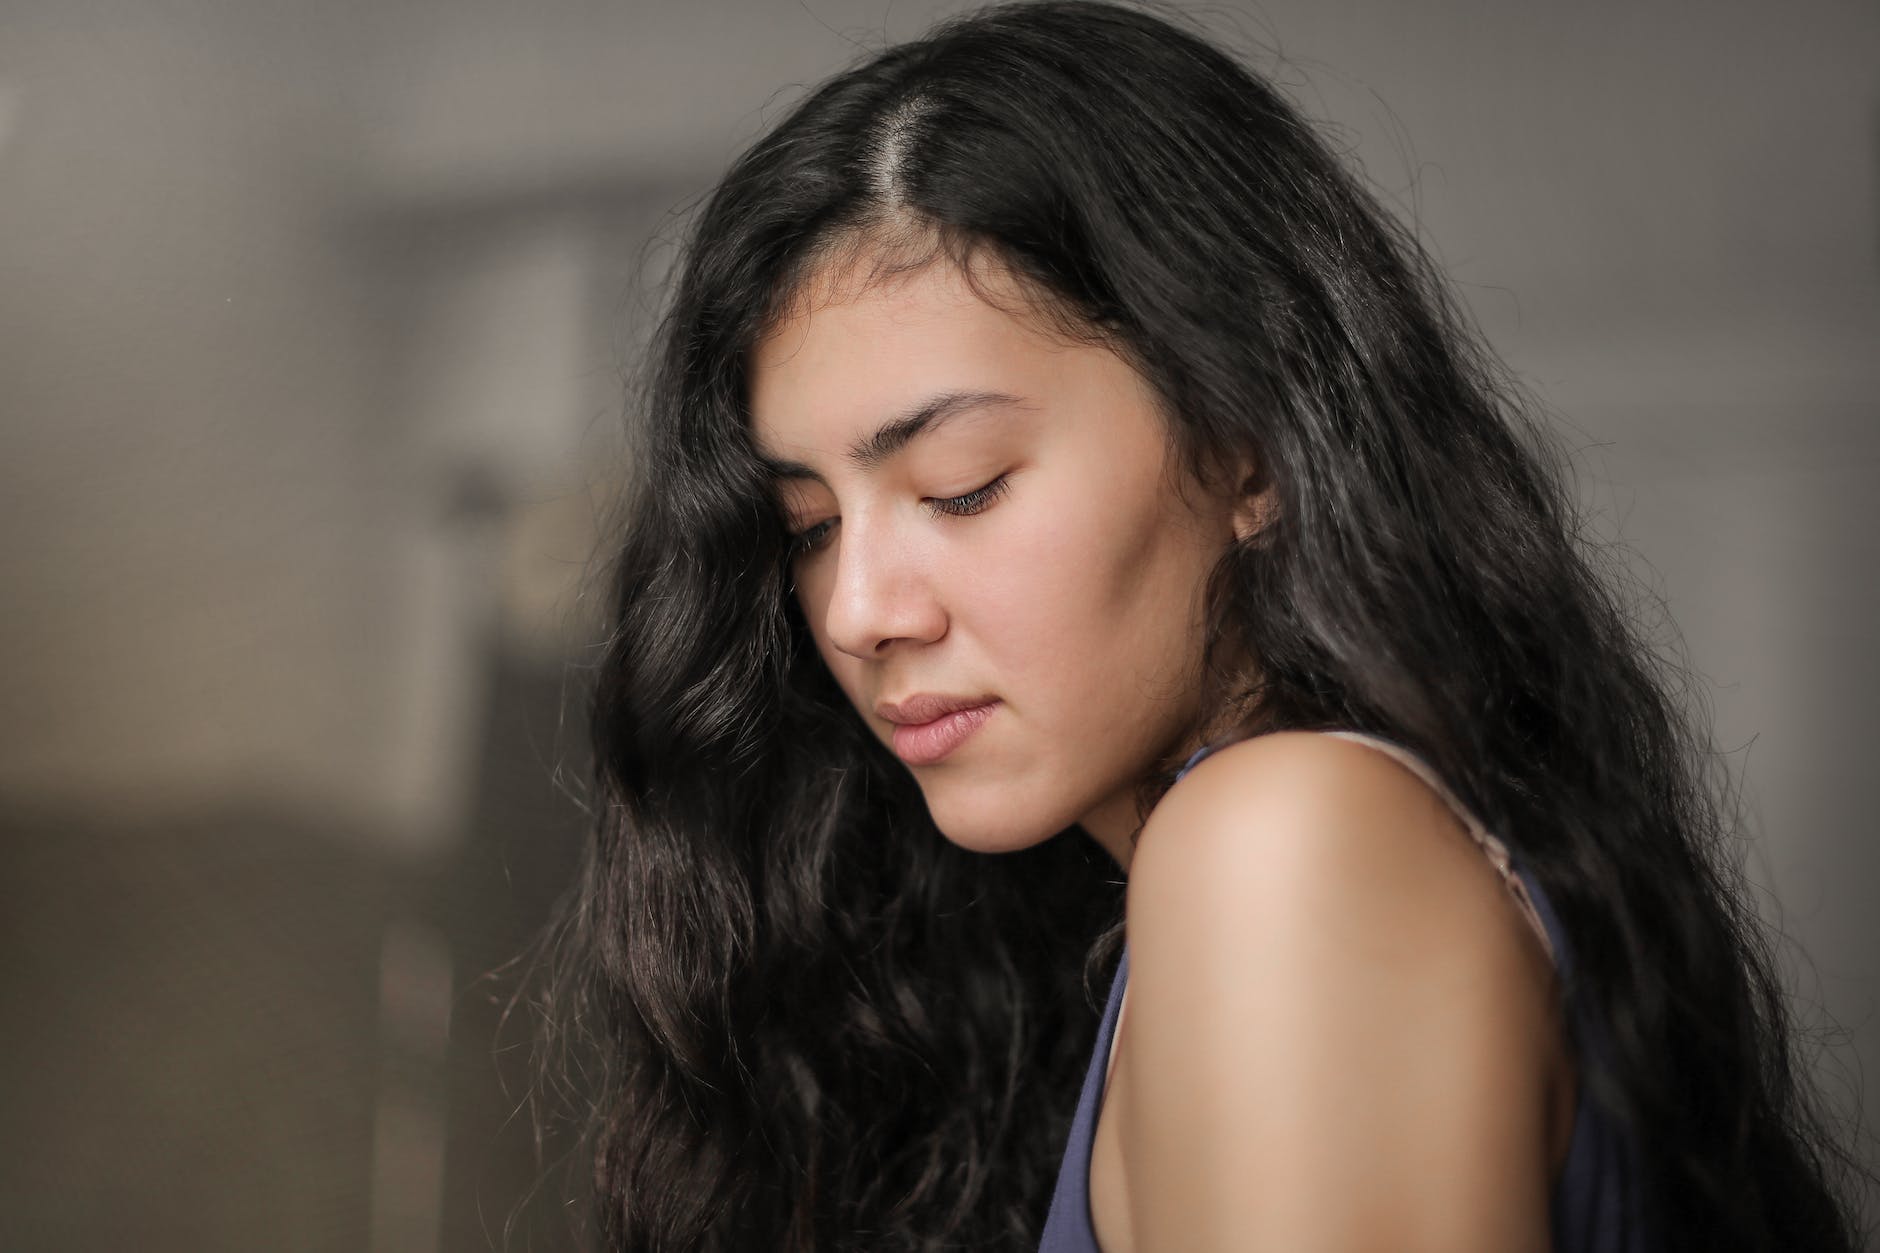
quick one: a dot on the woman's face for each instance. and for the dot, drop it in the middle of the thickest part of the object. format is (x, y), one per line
(988, 514)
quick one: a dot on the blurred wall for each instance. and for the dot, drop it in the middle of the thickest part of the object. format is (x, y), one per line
(312, 323)
(190, 393)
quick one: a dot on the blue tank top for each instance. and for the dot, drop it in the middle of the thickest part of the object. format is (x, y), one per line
(1592, 1205)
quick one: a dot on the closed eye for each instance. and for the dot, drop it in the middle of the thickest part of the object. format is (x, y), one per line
(975, 501)
(808, 541)
(972, 502)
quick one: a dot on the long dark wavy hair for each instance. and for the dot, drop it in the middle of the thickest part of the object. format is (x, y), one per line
(817, 1024)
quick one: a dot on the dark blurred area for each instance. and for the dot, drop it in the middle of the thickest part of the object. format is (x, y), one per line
(314, 326)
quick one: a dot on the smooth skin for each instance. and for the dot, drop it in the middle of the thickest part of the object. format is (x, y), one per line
(1073, 590)
(1340, 1035)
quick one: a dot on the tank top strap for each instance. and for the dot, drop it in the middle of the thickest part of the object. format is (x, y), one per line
(1492, 847)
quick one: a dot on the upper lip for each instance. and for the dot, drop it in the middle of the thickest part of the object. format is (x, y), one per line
(926, 706)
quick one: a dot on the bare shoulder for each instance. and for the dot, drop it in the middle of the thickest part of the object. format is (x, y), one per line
(1298, 814)
(1332, 995)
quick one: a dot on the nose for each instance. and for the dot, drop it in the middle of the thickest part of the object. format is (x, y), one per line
(883, 591)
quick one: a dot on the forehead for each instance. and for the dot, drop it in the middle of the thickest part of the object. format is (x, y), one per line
(854, 346)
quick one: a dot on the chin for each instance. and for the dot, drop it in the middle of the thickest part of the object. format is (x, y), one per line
(976, 840)
(985, 826)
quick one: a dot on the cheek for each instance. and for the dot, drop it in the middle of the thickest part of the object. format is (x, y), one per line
(1071, 587)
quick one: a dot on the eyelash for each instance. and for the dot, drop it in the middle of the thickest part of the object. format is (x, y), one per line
(976, 501)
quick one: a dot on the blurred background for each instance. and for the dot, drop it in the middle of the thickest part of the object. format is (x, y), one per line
(313, 326)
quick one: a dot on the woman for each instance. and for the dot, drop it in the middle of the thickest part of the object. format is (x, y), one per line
(1049, 439)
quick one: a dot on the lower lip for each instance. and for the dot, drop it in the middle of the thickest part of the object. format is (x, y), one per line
(924, 743)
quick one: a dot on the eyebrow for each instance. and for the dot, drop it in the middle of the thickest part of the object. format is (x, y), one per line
(870, 451)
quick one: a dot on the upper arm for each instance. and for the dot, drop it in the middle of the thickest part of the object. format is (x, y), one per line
(1340, 1037)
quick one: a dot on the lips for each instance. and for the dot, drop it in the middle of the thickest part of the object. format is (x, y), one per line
(927, 706)
(929, 727)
